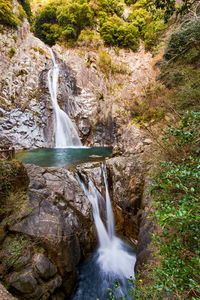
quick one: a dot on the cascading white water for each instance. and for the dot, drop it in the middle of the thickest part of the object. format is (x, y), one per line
(112, 260)
(110, 217)
(64, 130)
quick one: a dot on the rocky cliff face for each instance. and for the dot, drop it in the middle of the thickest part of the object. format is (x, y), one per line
(57, 226)
(95, 101)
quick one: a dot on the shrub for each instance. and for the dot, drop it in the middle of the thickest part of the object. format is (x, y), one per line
(89, 38)
(111, 7)
(183, 39)
(151, 33)
(75, 16)
(7, 17)
(117, 33)
(104, 62)
(139, 17)
(27, 8)
(46, 25)
(175, 192)
(11, 52)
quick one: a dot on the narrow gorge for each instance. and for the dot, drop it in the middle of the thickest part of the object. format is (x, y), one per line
(55, 225)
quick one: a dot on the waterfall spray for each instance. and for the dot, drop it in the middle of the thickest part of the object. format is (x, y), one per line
(64, 130)
(112, 260)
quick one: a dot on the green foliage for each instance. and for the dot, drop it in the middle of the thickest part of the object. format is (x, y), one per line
(27, 8)
(75, 16)
(14, 250)
(46, 25)
(14, 37)
(90, 38)
(176, 194)
(115, 32)
(184, 39)
(149, 21)
(12, 176)
(7, 17)
(152, 32)
(140, 17)
(108, 67)
(129, 2)
(63, 21)
(111, 7)
(11, 52)
(169, 7)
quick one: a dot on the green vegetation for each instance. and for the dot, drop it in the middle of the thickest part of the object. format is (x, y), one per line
(108, 67)
(170, 7)
(7, 17)
(64, 21)
(11, 52)
(90, 38)
(13, 176)
(178, 84)
(27, 8)
(176, 194)
(176, 184)
(12, 19)
(184, 39)
(13, 251)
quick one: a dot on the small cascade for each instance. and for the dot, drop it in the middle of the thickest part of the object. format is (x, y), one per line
(65, 133)
(112, 260)
(110, 217)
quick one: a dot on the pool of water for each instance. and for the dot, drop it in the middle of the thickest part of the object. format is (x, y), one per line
(60, 157)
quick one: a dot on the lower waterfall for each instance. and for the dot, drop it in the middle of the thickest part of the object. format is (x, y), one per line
(113, 260)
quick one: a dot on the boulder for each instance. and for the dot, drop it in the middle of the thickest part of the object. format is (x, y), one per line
(25, 283)
(44, 267)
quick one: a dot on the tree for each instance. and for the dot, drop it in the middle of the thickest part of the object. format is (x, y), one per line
(46, 25)
(76, 15)
(169, 6)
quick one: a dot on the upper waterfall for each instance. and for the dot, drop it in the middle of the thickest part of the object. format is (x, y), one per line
(64, 130)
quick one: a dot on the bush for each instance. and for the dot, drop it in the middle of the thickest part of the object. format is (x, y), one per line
(11, 52)
(104, 62)
(117, 33)
(176, 195)
(90, 38)
(74, 17)
(27, 8)
(46, 25)
(151, 33)
(111, 7)
(7, 17)
(184, 39)
(140, 18)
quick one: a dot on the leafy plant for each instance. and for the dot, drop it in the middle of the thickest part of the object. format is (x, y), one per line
(11, 52)
(184, 39)
(7, 17)
(175, 191)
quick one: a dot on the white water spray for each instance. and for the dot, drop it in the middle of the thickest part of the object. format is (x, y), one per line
(110, 217)
(64, 131)
(113, 257)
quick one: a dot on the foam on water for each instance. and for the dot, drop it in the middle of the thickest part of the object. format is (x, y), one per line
(113, 258)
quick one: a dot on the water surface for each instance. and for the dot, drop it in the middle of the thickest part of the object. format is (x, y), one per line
(60, 157)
